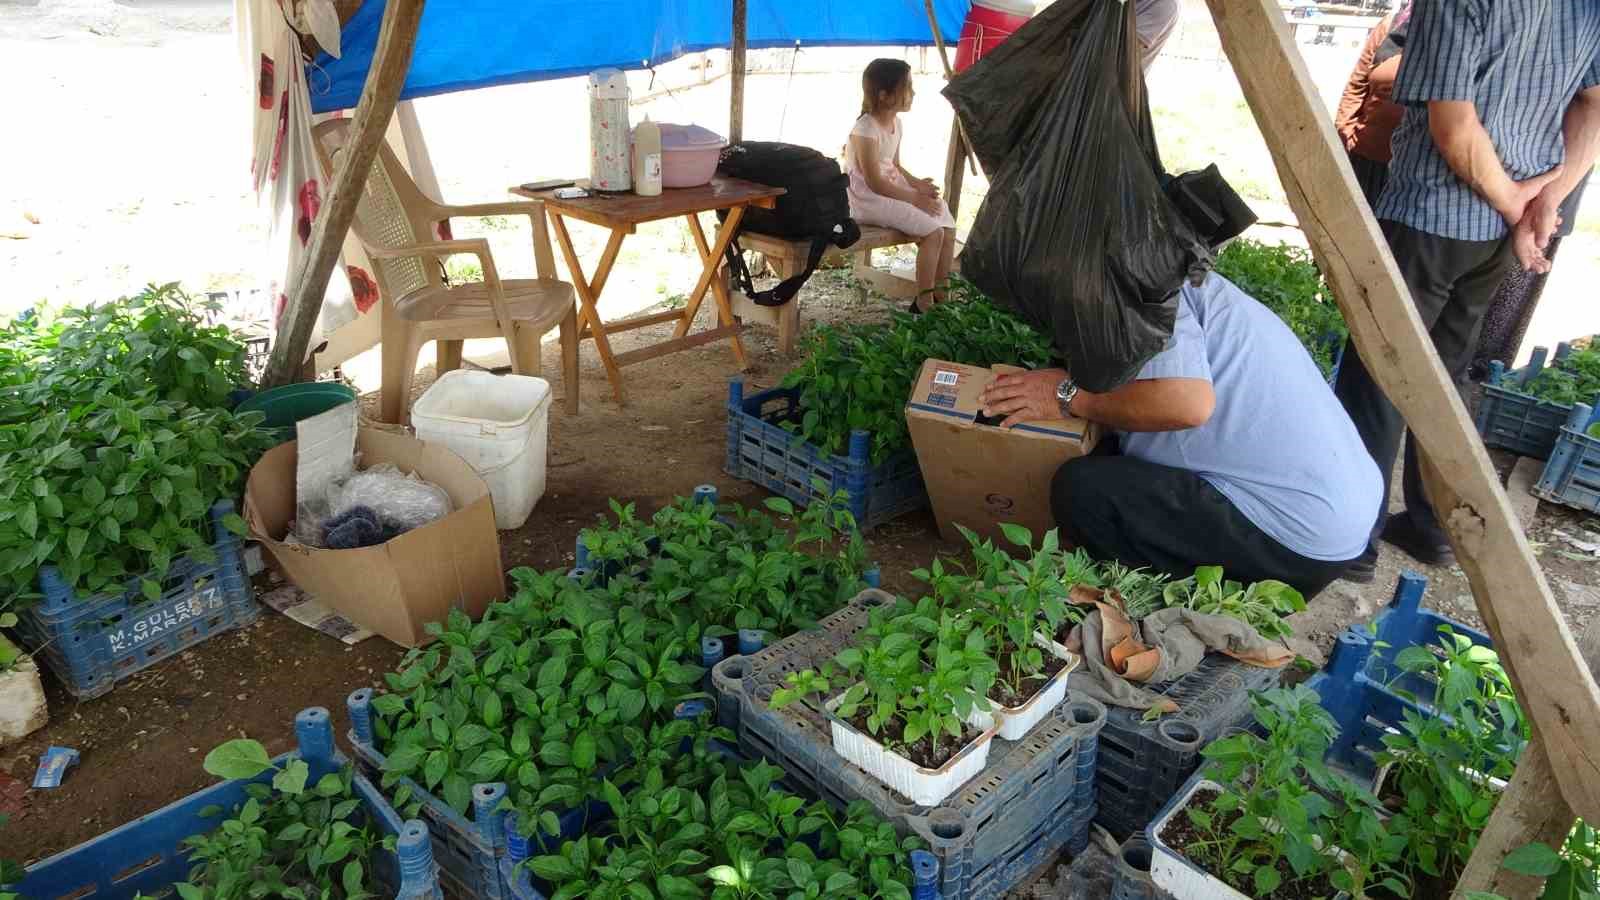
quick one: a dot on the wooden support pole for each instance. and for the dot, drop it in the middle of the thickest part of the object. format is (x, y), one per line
(736, 67)
(954, 174)
(963, 145)
(1554, 686)
(1531, 810)
(390, 60)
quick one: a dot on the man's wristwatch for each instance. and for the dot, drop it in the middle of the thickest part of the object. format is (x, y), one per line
(1065, 391)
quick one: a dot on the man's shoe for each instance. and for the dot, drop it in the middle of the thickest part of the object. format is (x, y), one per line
(1400, 532)
(1363, 569)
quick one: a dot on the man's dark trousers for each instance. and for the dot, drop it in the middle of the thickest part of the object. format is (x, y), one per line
(1146, 515)
(1452, 283)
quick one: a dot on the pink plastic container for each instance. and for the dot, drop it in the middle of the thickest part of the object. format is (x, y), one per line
(689, 155)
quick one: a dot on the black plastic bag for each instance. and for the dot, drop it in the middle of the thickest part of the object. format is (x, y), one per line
(1076, 233)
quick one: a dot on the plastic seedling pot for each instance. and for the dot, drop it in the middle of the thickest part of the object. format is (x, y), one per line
(1014, 722)
(924, 787)
(1174, 873)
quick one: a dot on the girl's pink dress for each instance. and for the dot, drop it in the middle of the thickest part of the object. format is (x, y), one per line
(869, 208)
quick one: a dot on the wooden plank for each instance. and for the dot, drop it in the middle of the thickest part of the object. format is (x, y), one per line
(588, 294)
(873, 237)
(1531, 810)
(736, 72)
(949, 73)
(1555, 687)
(719, 284)
(397, 34)
(676, 345)
(954, 174)
(632, 322)
(623, 211)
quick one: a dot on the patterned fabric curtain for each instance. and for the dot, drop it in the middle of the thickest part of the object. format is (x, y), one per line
(283, 166)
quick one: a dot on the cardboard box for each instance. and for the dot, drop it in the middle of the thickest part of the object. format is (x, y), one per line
(396, 588)
(980, 476)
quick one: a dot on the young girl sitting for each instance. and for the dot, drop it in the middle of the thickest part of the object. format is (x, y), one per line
(883, 193)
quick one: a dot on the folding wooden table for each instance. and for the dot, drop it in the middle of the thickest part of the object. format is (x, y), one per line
(622, 214)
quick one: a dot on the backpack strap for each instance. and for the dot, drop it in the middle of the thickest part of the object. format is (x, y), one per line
(783, 291)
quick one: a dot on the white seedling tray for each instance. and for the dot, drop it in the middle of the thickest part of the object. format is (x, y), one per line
(1173, 872)
(1016, 721)
(924, 787)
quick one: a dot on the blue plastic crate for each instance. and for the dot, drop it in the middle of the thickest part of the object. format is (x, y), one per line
(1509, 419)
(1361, 687)
(92, 643)
(924, 867)
(469, 852)
(1034, 798)
(762, 451)
(1143, 763)
(147, 854)
(1572, 476)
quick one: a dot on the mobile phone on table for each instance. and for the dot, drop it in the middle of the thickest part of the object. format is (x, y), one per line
(548, 184)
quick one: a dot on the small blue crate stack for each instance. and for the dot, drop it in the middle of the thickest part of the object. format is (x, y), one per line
(1572, 476)
(1143, 763)
(1034, 799)
(147, 855)
(92, 643)
(762, 451)
(1509, 419)
(1361, 687)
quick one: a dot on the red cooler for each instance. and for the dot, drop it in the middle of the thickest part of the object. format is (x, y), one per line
(988, 23)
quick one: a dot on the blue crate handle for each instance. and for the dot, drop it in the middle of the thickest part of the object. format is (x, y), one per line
(711, 651)
(924, 875)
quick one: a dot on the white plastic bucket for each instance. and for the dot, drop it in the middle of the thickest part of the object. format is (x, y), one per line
(499, 424)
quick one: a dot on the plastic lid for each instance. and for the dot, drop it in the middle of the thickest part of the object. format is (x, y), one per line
(689, 137)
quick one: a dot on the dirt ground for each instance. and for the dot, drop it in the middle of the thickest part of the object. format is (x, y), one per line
(93, 217)
(142, 743)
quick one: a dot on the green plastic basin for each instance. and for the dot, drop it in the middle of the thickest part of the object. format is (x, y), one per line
(284, 406)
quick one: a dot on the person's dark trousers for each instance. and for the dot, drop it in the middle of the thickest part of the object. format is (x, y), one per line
(1171, 520)
(1371, 175)
(1451, 284)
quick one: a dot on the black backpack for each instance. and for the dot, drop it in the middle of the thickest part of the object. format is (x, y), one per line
(814, 206)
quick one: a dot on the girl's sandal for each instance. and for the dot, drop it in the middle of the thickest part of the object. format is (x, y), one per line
(917, 310)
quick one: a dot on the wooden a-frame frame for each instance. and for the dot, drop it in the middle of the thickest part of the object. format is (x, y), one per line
(1560, 772)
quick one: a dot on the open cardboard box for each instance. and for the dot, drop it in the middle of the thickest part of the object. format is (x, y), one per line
(981, 476)
(395, 588)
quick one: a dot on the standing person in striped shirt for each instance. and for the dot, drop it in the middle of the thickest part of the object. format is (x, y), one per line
(1502, 119)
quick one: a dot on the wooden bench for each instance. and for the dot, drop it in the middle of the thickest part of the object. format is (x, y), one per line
(788, 258)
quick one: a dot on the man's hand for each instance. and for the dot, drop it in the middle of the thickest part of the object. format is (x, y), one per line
(1024, 397)
(1532, 234)
(1519, 197)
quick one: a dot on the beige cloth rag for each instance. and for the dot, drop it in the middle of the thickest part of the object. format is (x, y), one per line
(1165, 645)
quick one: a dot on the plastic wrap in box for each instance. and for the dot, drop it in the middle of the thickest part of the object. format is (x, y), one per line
(147, 855)
(762, 451)
(93, 642)
(1034, 798)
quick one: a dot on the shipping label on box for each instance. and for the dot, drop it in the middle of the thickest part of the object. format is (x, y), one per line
(980, 475)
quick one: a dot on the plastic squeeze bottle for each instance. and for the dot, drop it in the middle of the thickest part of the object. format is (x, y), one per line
(647, 158)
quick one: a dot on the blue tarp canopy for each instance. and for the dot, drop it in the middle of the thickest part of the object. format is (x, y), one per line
(464, 44)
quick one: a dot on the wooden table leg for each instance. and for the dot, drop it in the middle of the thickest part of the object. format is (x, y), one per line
(711, 258)
(589, 294)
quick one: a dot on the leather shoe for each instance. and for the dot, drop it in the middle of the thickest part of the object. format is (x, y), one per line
(1400, 532)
